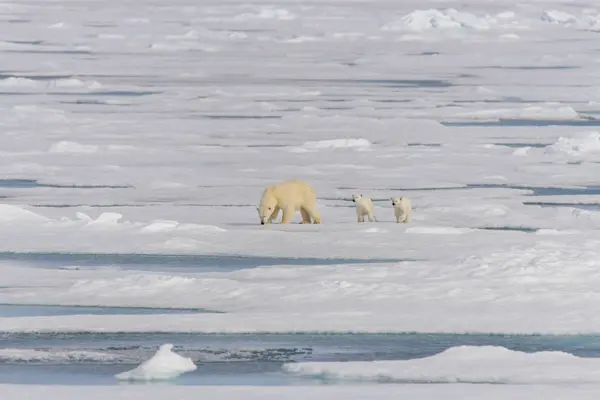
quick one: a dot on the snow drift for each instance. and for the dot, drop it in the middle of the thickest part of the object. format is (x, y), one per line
(163, 365)
(434, 19)
(463, 364)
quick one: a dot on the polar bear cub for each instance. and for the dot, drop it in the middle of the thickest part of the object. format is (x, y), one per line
(289, 197)
(402, 209)
(364, 206)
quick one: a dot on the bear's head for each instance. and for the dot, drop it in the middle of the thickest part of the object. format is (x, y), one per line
(356, 198)
(266, 209)
(396, 200)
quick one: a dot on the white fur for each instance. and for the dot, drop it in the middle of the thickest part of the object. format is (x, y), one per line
(289, 196)
(402, 209)
(364, 206)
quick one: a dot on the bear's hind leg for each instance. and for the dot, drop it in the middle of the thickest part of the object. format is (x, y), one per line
(305, 216)
(313, 213)
(406, 218)
(371, 217)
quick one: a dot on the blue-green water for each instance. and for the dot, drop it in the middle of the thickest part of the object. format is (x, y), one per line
(241, 359)
(172, 262)
(41, 310)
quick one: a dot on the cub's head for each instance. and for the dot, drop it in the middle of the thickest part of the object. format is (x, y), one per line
(265, 210)
(356, 198)
(396, 200)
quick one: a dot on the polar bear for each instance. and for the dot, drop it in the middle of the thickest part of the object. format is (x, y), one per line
(289, 197)
(364, 206)
(402, 209)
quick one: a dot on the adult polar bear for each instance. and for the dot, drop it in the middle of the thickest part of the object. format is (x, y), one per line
(289, 197)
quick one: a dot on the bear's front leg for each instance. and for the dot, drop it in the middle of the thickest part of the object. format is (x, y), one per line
(288, 213)
(274, 214)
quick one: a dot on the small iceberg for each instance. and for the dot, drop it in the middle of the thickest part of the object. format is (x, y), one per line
(163, 365)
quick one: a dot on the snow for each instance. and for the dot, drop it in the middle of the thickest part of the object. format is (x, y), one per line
(267, 13)
(19, 215)
(580, 144)
(150, 129)
(165, 364)
(558, 17)
(548, 112)
(72, 147)
(465, 364)
(56, 356)
(358, 144)
(584, 20)
(353, 392)
(15, 82)
(422, 20)
(344, 297)
(436, 230)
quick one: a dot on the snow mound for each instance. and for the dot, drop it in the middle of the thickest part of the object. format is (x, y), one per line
(72, 147)
(463, 364)
(57, 356)
(548, 112)
(75, 84)
(163, 365)
(434, 19)
(197, 228)
(580, 144)
(83, 216)
(267, 13)
(584, 21)
(160, 226)
(107, 219)
(523, 151)
(506, 15)
(169, 226)
(334, 144)
(18, 82)
(558, 17)
(10, 213)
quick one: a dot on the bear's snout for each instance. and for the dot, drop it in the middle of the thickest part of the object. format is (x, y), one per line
(262, 222)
